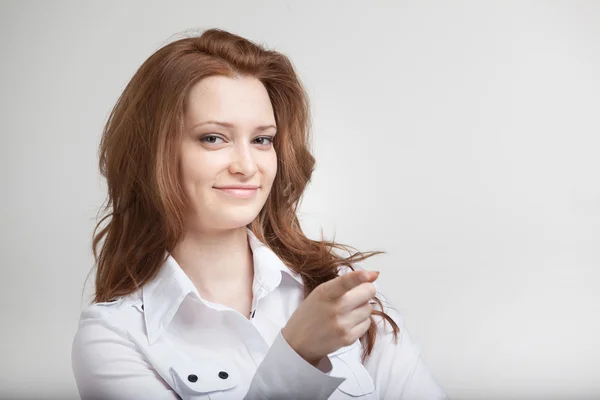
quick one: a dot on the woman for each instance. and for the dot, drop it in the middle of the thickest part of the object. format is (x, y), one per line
(206, 286)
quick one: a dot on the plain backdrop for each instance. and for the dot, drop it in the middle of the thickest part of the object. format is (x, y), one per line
(462, 138)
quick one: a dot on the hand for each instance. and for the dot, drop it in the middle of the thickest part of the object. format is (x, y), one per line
(335, 314)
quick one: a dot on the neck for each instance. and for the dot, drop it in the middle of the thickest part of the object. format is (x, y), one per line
(217, 262)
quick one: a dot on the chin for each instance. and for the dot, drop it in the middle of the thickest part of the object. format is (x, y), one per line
(235, 221)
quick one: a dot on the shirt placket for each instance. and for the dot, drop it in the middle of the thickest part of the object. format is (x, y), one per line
(254, 341)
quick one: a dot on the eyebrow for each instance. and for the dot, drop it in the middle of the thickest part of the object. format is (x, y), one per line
(230, 125)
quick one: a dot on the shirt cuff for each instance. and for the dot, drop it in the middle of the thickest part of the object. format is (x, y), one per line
(283, 373)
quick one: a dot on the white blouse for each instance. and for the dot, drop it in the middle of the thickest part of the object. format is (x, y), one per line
(165, 342)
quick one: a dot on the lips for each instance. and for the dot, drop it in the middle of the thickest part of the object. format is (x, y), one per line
(243, 192)
(241, 187)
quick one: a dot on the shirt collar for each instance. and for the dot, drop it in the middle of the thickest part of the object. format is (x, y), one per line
(163, 295)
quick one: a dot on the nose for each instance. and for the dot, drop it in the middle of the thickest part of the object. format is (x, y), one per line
(243, 161)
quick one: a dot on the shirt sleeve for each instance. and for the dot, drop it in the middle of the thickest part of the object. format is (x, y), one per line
(107, 365)
(284, 374)
(397, 367)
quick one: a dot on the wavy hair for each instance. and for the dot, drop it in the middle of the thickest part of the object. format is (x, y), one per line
(139, 157)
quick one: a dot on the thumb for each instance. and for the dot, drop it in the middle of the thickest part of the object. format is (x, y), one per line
(370, 276)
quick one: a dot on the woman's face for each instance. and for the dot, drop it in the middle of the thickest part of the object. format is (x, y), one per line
(227, 141)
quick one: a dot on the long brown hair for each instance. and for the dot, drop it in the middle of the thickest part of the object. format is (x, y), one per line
(139, 157)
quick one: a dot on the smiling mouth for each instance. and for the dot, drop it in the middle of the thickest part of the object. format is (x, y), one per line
(238, 192)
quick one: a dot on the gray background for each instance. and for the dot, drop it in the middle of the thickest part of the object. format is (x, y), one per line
(460, 137)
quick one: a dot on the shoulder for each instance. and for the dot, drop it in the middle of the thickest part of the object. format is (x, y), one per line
(112, 310)
(107, 354)
(105, 319)
(106, 328)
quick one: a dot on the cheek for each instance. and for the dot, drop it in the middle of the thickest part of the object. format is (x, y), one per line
(194, 176)
(271, 168)
(199, 167)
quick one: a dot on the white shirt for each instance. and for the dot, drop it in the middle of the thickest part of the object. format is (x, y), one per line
(165, 342)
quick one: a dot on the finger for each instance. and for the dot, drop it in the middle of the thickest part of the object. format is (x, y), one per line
(357, 297)
(359, 314)
(360, 329)
(339, 286)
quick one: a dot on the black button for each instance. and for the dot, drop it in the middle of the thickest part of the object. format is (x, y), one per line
(142, 306)
(192, 378)
(223, 375)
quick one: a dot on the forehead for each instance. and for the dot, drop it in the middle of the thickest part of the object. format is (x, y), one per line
(241, 101)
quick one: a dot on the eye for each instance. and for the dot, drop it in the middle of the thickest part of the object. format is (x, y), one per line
(210, 139)
(269, 138)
